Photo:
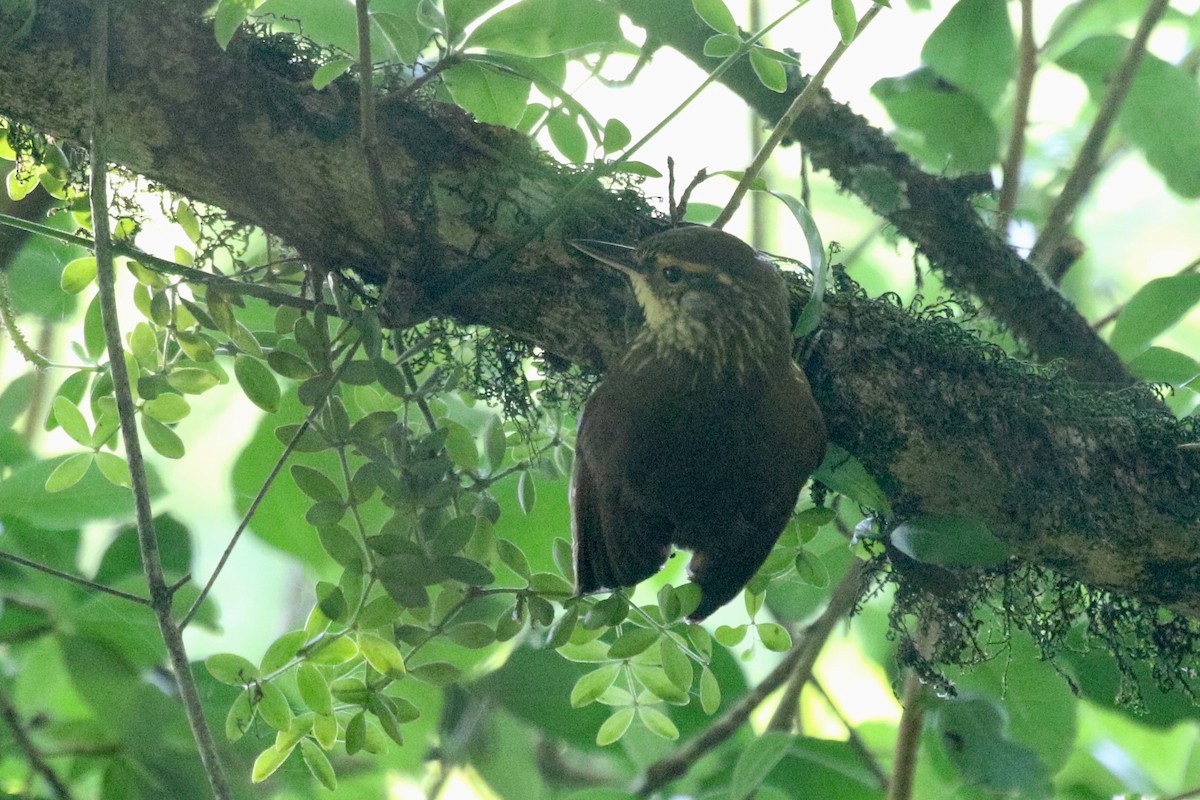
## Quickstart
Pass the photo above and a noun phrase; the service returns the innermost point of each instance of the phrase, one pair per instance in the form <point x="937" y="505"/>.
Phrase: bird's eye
<point x="672" y="274"/>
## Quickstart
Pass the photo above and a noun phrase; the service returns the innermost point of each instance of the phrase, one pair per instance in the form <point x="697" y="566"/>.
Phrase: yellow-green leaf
<point x="77" y="274"/>
<point x="614" y="727"/>
<point x="114" y="468"/>
<point x="70" y="418"/>
<point x="382" y="655"/>
<point x="314" y="689"/>
<point x="318" y="764"/>
<point x="658" y="723"/>
<point x="268" y="761"/>
<point x="69" y="472"/>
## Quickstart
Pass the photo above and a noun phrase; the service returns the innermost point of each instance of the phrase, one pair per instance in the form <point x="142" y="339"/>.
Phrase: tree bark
<point x="1088" y="482"/>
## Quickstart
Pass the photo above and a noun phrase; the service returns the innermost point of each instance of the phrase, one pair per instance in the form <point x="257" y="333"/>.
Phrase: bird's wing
<point x="618" y="540"/>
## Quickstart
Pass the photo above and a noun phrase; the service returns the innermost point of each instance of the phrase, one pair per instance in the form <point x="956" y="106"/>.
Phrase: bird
<point x="701" y="434"/>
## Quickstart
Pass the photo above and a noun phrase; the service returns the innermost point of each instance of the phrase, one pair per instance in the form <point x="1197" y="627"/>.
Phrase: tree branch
<point x="1093" y="484"/>
<point x="12" y="718"/>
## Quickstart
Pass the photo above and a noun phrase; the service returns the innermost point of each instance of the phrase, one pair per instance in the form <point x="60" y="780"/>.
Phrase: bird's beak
<point x="618" y="256"/>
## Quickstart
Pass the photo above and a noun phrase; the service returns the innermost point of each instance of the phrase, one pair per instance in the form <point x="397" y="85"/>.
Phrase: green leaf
<point x="337" y="651"/>
<point x="472" y="635"/>
<point x="318" y="764"/>
<point x="114" y="468"/>
<point x="143" y="343"/>
<point x="721" y="45"/>
<point x="273" y="707"/>
<point x="69" y="472"/>
<point x="229" y="17"/>
<point x="314" y="689"/>
<point x="192" y="380"/>
<point x="1156" y="307"/>
<point x="539" y="28"/>
<point x="231" y="669"/>
<point x="948" y="541"/>
<point x="568" y="136"/>
<point x="756" y="762"/>
<point x="437" y="673"/>
<point x="945" y="127"/>
<point x="1162" y="365"/>
<point x="383" y="656"/>
<point x="23" y="496"/>
<point x="289" y="365"/>
<point x="655" y="681"/>
<point x="676" y="664"/>
<point x="257" y="382"/>
<point x="526" y="492"/>
<point x="616" y="136"/>
<point x="268" y="761"/>
<point x="716" y="15"/>
<point x="328" y="73"/>
<point x="973" y="732"/>
<point x="316" y="484"/>
<point x="78" y="274"/>
<point x="845" y="474"/>
<point x="513" y="558"/>
<point x="845" y="19"/>
<point x="1171" y="141"/>
<point x="167" y="408"/>
<point x="493" y="96"/>
<point x="239" y="717"/>
<point x="811" y="569"/>
<point x="615" y="726"/>
<point x="590" y="686"/>
<point x="710" y="691"/>
<point x="769" y="71"/>
<point x="69" y="417"/>
<point x="164" y="440"/>
<point x="635" y="641"/>
<point x="658" y="723"/>
<point x="773" y="636"/>
<point x="973" y="48"/>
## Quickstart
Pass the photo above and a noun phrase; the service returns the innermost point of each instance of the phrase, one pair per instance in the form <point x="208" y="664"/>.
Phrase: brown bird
<point x="703" y="432"/>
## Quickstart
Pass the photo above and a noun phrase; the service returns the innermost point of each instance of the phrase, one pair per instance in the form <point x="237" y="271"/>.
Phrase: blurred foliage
<point x="416" y="477"/>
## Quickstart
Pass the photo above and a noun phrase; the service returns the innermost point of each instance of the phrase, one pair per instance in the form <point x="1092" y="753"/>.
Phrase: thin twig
<point x="856" y="742"/>
<point x="1086" y="168"/>
<point x="66" y="576"/>
<point x="266" y="486"/>
<point x="908" y="740"/>
<point x="162" y="265"/>
<point x="37" y="761"/>
<point x="1116" y="312"/>
<point x="1027" y="67"/>
<point x="799" y="660"/>
<point x="784" y="126"/>
<point x="160" y="593"/>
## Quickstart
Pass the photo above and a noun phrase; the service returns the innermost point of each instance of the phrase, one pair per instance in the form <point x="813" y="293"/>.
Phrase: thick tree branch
<point x="1090" y="483"/>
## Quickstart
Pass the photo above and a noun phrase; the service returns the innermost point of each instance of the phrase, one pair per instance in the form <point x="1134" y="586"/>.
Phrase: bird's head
<point x="705" y="295"/>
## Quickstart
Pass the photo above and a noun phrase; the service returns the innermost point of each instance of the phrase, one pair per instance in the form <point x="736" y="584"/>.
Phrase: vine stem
<point x="904" y="768"/>
<point x="1027" y="68"/>
<point x="1087" y="163"/>
<point x="37" y="761"/>
<point x="160" y="592"/>
<point x="784" y="126"/>
<point x="799" y="661"/>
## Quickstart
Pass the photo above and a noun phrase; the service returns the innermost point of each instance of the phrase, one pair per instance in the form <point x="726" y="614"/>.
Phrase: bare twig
<point x="162" y="265"/>
<point x="856" y="742"/>
<point x="784" y="126"/>
<point x="160" y="592"/>
<point x="1027" y="67"/>
<point x="266" y="486"/>
<point x="798" y="661"/>
<point x="37" y="761"/>
<point x="1086" y="164"/>
<point x="904" y="767"/>
<point x="66" y="576"/>
<point x="1116" y="312"/>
